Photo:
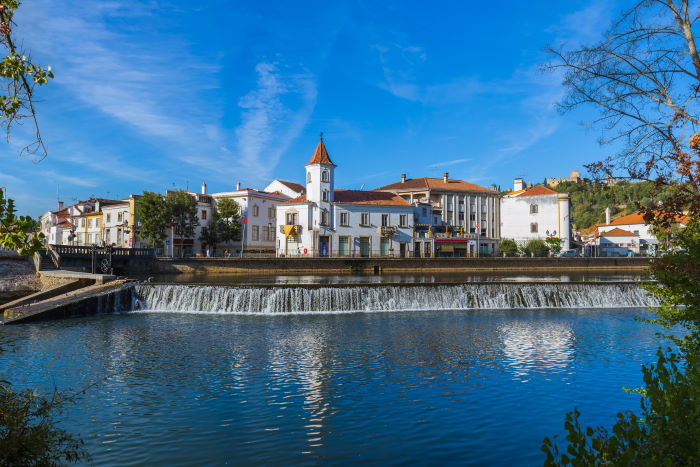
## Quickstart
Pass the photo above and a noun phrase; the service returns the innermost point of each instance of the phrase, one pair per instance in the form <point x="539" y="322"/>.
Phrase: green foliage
<point x="20" y="76"/>
<point x="29" y="434"/>
<point x="228" y="223"/>
<point x="678" y="281"/>
<point x="154" y="215"/>
<point x="536" y="247"/>
<point x="668" y="429"/>
<point x="183" y="212"/>
<point x="209" y="235"/>
<point x="508" y="247"/>
<point x="18" y="232"/>
<point x="666" y="433"/>
<point x="589" y="200"/>
<point x="554" y="244"/>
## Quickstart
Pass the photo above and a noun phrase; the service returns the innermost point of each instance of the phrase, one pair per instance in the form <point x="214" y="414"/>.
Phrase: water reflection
<point x="537" y="347"/>
<point x="447" y="387"/>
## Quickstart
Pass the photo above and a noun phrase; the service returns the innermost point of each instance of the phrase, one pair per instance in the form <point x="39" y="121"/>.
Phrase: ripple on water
<point x="453" y="387"/>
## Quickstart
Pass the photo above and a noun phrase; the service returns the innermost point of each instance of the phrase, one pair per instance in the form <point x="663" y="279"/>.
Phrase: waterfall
<point x="255" y="300"/>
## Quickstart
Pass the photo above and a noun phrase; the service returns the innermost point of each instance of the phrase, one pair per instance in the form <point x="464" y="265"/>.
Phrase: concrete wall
<point x="331" y="265"/>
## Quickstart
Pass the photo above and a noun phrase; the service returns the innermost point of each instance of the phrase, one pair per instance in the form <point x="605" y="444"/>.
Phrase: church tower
<point x="319" y="177"/>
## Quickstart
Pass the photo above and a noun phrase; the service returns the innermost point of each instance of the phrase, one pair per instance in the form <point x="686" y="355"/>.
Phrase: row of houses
<point x="418" y="217"/>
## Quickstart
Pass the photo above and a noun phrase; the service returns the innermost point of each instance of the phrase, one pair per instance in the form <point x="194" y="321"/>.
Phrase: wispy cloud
<point x="274" y="113"/>
<point x="452" y="162"/>
<point x="79" y="181"/>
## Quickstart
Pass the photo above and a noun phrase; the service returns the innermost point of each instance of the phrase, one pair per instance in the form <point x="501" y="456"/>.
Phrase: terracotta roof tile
<point x="294" y="186"/>
<point x="537" y="190"/>
<point x="425" y="183"/>
<point x="618" y="232"/>
<point x="321" y="155"/>
<point x="638" y="218"/>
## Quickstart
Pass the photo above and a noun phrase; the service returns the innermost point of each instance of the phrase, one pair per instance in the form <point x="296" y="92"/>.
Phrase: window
<point x="109" y="217"/>
<point x="120" y="216"/>
<point x="271" y="213"/>
<point x="385" y="220"/>
<point x="324" y="217"/>
<point x="403" y="220"/>
<point x="256" y="210"/>
<point x="425" y="212"/>
<point x="204" y="215"/>
<point x="108" y="235"/>
<point x="256" y="233"/>
<point x="364" y="219"/>
<point x="308" y="177"/>
<point x="533" y="227"/>
<point x="533" y="209"/>
<point x="461" y="216"/>
<point x="345" y="218"/>
<point x="472" y="216"/>
<point x="291" y="218"/>
<point x="324" y="195"/>
<point x="325" y="177"/>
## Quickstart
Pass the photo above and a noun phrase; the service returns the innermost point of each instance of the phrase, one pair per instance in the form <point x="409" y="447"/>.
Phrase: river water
<point x="462" y="387"/>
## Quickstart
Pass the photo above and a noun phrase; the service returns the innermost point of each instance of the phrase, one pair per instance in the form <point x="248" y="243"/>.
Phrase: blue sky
<point x="154" y="94"/>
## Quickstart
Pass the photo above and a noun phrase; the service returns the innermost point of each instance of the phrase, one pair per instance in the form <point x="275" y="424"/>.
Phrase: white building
<point x="289" y="189"/>
<point x="326" y="221"/>
<point x="618" y="242"/>
<point x="452" y="217"/>
<point x="535" y="213"/>
<point x="634" y="223"/>
<point x="115" y="224"/>
<point x="259" y="210"/>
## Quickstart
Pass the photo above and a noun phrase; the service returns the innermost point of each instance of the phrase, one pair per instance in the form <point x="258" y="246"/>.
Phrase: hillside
<point x="589" y="200"/>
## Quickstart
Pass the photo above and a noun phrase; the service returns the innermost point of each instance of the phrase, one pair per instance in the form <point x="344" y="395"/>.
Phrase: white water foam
<point x="275" y="300"/>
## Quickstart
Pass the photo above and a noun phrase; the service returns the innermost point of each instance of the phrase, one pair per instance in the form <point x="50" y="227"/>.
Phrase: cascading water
<point x="255" y="300"/>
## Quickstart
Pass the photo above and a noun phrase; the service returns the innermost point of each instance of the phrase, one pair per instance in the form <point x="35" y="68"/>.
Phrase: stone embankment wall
<point x="17" y="277"/>
<point x="341" y="265"/>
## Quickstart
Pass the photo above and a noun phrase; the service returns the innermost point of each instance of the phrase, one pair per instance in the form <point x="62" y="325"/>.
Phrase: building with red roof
<point x="537" y="212"/>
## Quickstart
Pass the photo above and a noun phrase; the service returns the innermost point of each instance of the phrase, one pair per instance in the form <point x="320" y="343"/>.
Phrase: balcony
<point x="386" y="231"/>
<point x="293" y="230"/>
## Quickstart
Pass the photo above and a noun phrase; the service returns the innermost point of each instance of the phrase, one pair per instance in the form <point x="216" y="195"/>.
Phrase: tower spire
<point x="321" y="154"/>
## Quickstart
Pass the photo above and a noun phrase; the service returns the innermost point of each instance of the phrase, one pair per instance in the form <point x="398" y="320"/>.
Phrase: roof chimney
<point x="445" y="177"/>
<point x="238" y="186"/>
<point x="60" y="205"/>
<point x="607" y="216"/>
<point x="403" y="178"/>
<point x="518" y="184"/>
<point x="204" y="188"/>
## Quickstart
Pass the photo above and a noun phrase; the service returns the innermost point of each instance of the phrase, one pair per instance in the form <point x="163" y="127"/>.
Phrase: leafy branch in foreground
<point x="668" y="430"/>
<point x="29" y="434"/>
<point x="20" y="77"/>
<point x="18" y="232"/>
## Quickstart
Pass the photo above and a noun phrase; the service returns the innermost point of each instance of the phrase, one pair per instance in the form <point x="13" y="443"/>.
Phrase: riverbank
<point x="390" y="265"/>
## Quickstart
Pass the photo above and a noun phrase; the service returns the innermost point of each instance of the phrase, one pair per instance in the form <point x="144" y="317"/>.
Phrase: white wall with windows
<point x="525" y="218"/>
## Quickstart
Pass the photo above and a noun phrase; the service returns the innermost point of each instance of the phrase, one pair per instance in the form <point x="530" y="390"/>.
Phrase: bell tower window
<point x="325" y="177"/>
<point x="324" y="195"/>
<point x="308" y="177"/>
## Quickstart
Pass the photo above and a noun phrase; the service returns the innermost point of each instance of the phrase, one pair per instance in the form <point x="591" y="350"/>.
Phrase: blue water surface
<point x="451" y="388"/>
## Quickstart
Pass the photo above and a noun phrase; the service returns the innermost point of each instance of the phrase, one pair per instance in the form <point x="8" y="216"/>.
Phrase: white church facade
<point x="329" y="222"/>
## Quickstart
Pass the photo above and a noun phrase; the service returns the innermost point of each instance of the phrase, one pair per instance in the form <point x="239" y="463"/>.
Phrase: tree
<point x="18" y="232"/>
<point x="668" y="429"/>
<point x="554" y="244"/>
<point x="644" y="79"/>
<point x="20" y="77"/>
<point x="183" y="213"/>
<point x="508" y="247"/>
<point x="154" y="215"/>
<point x="228" y="220"/>
<point x="535" y="247"/>
<point x="29" y="433"/>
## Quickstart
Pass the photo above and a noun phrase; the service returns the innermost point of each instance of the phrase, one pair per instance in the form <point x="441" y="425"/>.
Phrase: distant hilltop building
<point x="574" y="176"/>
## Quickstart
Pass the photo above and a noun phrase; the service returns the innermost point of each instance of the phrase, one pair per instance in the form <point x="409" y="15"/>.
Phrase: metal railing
<point x="87" y="250"/>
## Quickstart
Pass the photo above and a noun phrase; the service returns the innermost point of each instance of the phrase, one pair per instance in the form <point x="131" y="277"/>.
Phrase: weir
<point x="271" y="300"/>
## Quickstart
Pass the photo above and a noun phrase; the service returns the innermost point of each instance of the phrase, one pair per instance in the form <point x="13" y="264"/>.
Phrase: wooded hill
<point x="589" y="200"/>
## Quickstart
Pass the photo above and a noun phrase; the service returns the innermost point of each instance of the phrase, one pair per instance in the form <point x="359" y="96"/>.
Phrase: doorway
<point x="324" y="245"/>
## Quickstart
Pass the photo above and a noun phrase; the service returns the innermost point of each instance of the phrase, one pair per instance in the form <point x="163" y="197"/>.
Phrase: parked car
<point x="568" y="254"/>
